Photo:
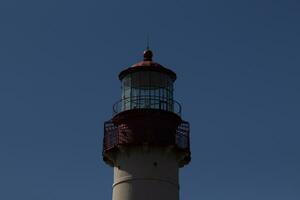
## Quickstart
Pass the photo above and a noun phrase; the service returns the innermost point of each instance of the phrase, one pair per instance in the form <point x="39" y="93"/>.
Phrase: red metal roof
<point x="147" y="65"/>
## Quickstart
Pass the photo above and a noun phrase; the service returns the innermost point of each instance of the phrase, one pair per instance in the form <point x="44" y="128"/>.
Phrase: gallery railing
<point x="121" y="135"/>
<point x="147" y="102"/>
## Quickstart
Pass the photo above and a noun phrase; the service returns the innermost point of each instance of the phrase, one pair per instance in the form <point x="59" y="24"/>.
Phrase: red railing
<point x="183" y="135"/>
<point x="116" y="135"/>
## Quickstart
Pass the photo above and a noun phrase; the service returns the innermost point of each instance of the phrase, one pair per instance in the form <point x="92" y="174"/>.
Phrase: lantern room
<point x="147" y="85"/>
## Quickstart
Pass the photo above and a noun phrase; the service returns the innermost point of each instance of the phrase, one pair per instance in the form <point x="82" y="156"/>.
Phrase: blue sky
<point x="238" y="81"/>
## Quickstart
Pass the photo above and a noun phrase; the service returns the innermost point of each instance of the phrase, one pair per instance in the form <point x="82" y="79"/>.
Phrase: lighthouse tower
<point x="146" y="141"/>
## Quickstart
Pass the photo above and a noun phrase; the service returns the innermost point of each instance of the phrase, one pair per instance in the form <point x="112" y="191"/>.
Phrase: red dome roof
<point x="147" y="65"/>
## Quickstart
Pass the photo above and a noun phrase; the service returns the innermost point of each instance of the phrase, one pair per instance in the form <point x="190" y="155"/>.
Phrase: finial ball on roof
<point x="148" y="55"/>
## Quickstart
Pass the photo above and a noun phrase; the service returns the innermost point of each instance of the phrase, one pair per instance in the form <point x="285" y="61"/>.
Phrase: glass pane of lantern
<point x="147" y="89"/>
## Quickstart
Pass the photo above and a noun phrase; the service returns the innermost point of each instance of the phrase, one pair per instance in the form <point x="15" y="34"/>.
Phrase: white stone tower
<point x="146" y="141"/>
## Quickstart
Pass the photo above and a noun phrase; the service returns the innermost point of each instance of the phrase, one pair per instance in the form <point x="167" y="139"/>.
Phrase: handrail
<point x="147" y="102"/>
<point x="114" y="135"/>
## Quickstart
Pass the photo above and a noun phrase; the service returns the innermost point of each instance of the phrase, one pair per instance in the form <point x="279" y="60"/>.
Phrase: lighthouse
<point x="146" y="141"/>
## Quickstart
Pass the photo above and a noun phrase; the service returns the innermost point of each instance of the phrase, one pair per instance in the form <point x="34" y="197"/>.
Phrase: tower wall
<point x="145" y="173"/>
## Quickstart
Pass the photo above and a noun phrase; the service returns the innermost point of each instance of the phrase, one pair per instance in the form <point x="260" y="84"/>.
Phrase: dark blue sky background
<point x="238" y="68"/>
